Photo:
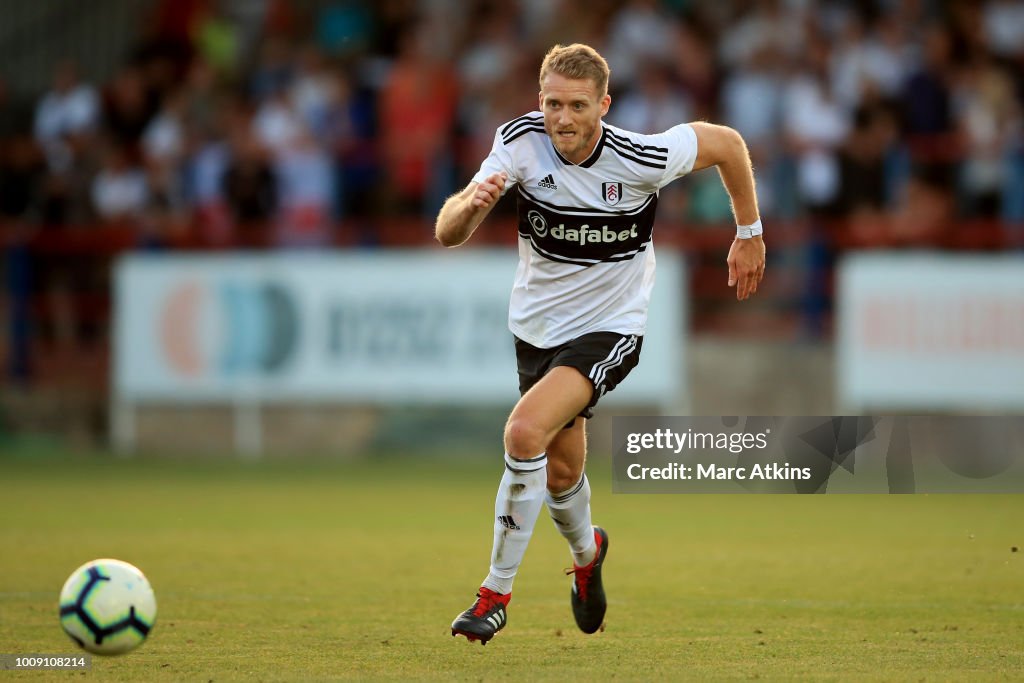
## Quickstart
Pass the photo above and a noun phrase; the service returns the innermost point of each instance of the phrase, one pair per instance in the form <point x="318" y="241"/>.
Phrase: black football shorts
<point x="605" y="358"/>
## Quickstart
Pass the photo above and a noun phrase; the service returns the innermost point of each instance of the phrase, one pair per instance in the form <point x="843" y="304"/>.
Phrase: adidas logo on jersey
<point x="548" y="182"/>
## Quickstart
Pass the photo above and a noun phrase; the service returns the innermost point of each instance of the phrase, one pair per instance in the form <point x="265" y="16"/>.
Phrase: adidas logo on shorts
<point x="548" y="182"/>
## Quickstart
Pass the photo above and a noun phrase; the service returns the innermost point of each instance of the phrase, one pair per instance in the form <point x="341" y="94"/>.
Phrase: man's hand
<point x="489" y="191"/>
<point x="463" y="212"/>
<point x="746" y="265"/>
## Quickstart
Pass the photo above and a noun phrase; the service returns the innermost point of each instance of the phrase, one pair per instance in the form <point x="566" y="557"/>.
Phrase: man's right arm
<point x="465" y="211"/>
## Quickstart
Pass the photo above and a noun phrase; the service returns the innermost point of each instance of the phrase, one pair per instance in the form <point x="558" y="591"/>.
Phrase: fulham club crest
<point x="612" y="192"/>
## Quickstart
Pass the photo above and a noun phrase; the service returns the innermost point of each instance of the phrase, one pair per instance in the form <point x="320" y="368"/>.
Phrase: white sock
<point x="516" y="507"/>
<point x="570" y="511"/>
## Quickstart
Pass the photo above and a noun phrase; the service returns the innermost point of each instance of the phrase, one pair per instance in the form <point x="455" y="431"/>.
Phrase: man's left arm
<point x="723" y="147"/>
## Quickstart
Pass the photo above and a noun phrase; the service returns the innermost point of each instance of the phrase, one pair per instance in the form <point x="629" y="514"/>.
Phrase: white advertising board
<point x="930" y="331"/>
<point x="388" y="326"/>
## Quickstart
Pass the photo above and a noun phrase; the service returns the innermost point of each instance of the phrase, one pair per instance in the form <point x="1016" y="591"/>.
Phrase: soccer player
<point x="586" y="194"/>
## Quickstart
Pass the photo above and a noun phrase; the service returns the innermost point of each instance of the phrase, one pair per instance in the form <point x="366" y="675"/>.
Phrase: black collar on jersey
<point x="594" y="156"/>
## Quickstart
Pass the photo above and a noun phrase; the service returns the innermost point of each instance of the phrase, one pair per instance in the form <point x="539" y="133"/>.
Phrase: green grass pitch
<point x="315" y="570"/>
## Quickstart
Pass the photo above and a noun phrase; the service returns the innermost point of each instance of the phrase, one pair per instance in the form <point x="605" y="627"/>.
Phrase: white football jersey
<point x="586" y="261"/>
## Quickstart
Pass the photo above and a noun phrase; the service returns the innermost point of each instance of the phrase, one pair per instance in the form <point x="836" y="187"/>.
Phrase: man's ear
<point x="540" y="101"/>
<point x="606" y="102"/>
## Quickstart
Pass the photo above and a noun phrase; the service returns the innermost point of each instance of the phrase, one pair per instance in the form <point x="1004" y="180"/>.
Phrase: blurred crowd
<point x="268" y="122"/>
<point x="301" y="123"/>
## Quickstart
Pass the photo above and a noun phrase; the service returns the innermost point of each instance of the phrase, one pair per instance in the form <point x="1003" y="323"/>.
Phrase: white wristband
<point x="745" y="232"/>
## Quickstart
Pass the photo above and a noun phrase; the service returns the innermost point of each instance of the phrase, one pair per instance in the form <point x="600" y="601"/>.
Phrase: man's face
<point x="572" y="114"/>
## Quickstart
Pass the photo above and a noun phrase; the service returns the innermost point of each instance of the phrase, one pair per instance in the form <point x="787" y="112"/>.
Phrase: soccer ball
<point x="107" y="607"/>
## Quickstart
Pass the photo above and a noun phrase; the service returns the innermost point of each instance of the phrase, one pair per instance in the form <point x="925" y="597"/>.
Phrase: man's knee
<point x="524" y="439"/>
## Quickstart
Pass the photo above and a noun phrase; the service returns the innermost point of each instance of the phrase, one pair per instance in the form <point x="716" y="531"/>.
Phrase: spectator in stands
<point x="639" y="33"/>
<point x="66" y="117"/>
<point x="120" y="191"/>
<point x="863" y="161"/>
<point x="417" y="114"/>
<point x="22" y="165"/>
<point x="888" y="55"/>
<point x="694" y="61"/>
<point x="815" y="125"/>
<point x="22" y="169"/>
<point x="872" y="62"/>
<point x="305" y="177"/>
<point x="771" y="25"/>
<point x="204" y="101"/>
<point x="989" y="119"/>
<point x="164" y="148"/>
<point x="751" y="102"/>
<point x="316" y="91"/>
<point x="489" y="59"/>
<point x="351" y="135"/>
<point x="208" y="117"/>
<point x="66" y="121"/>
<point x="273" y="71"/>
<point x="164" y="139"/>
<point x="927" y="110"/>
<point x="499" y="74"/>
<point x="277" y="124"/>
<point x="250" y="188"/>
<point x="863" y="156"/>
<point x="655" y="104"/>
<point x="128" y="107"/>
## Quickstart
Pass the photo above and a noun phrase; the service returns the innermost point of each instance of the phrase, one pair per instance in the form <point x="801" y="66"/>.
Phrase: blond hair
<point x="576" y="61"/>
